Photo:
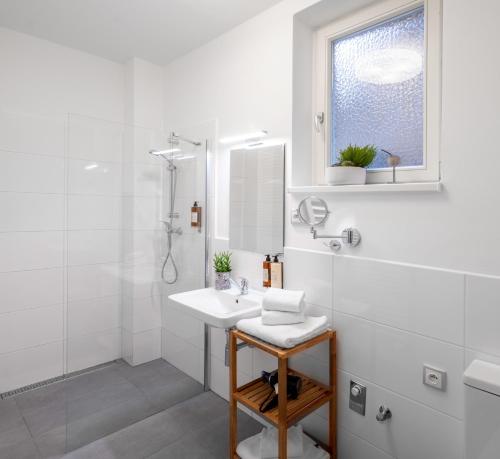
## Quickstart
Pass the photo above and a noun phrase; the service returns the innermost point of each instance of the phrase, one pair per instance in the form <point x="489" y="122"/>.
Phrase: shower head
<point x="164" y="152"/>
<point x="171" y="166"/>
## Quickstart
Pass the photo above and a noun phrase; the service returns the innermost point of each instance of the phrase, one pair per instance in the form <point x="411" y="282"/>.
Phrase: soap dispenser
<point x="196" y="216"/>
<point x="266" y="266"/>
<point x="276" y="273"/>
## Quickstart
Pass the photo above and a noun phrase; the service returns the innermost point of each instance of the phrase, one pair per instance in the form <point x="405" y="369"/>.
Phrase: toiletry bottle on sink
<point x="276" y="273"/>
<point x="266" y="266"/>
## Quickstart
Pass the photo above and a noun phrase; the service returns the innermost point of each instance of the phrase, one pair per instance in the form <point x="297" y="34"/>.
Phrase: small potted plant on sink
<point x="351" y="166"/>
<point x="222" y="267"/>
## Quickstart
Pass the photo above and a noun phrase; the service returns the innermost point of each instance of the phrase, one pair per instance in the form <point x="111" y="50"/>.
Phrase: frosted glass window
<point x="378" y="89"/>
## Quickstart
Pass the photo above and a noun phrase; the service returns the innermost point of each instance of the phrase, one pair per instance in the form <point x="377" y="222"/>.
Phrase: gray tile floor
<point x="152" y="410"/>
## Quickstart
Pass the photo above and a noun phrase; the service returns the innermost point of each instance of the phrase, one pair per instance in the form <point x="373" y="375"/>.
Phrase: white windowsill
<point x="369" y="188"/>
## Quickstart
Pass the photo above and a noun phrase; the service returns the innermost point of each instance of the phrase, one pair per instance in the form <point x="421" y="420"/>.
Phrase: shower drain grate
<point x="47" y="382"/>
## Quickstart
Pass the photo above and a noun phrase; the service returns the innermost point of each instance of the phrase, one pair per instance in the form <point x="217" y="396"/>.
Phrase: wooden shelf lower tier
<point x="313" y="395"/>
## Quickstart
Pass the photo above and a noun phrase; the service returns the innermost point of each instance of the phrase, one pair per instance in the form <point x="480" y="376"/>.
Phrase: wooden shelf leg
<point x="233" y="405"/>
<point x="333" y="400"/>
<point x="282" y="408"/>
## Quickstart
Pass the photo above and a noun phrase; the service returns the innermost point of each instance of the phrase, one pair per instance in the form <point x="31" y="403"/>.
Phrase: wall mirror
<point x="313" y="211"/>
<point x="257" y="189"/>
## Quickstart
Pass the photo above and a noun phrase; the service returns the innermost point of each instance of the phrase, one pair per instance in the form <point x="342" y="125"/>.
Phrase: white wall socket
<point x="435" y="378"/>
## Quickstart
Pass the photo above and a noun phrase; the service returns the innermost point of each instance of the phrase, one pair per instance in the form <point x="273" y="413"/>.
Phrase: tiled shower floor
<point x="152" y="410"/>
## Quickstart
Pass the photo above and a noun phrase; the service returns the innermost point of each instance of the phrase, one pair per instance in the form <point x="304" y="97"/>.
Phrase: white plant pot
<point x="348" y="175"/>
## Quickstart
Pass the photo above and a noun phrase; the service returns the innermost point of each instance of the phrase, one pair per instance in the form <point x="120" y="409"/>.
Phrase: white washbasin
<point x="219" y="308"/>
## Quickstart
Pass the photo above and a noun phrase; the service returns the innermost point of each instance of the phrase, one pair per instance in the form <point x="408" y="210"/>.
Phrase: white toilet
<point x="482" y="410"/>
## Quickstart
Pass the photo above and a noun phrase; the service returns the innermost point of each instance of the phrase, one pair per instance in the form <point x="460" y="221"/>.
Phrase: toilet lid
<point x="484" y="376"/>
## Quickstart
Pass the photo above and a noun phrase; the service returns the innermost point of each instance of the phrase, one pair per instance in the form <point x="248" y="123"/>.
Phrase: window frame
<point x="322" y="84"/>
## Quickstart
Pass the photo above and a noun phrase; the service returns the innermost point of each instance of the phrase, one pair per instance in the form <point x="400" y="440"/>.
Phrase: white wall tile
<point x="312" y="272"/>
<point x="94" y="281"/>
<point x="144" y="180"/>
<point x="353" y="447"/>
<point x="94" y="212"/>
<point x="394" y="359"/>
<point x="147" y="346"/>
<point x="31" y="211"/>
<point x="483" y="314"/>
<point x="31" y="133"/>
<point x="95" y="315"/>
<point x="31" y="173"/>
<point x="94" y="246"/>
<point x="144" y="246"/>
<point x="30" y="289"/>
<point x="183" y="325"/>
<point x="422" y="300"/>
<point x="86" y="351"/>
<point x="183" y="355"/>
<point x="146" y="313"/>
<point x="142" y="213"/>
<point x="471" y="355"/>
<point x="31" y="250"/>
<point x="31" y="327"/>
<point x="219" y="378"/>
<point x="218" y="346"/>
<point x="95" y="139"/>
<point x="18" y="369"/>
<point x="94" y="177"/>
<point x="414" y="432"/>
<point x="142" y="280"/>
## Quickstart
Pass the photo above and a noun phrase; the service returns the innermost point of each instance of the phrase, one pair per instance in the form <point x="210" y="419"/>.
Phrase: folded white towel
<point x="269" y="443"/>
<point x="277" y="299"/>
<point x="250" y="449"/>
<point x="282" y="318"/>
<point x="284" y="335"/>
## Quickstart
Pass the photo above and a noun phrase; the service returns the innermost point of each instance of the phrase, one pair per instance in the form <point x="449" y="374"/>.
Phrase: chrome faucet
<point x="242" y="285"/>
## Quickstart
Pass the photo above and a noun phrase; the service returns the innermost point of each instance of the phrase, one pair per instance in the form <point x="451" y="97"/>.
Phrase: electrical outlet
<point x="434" y="378"/>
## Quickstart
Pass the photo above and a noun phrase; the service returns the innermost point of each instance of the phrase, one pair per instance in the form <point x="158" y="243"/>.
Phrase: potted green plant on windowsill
<point x="222" y="267"/>
<point x="350" y="168"/>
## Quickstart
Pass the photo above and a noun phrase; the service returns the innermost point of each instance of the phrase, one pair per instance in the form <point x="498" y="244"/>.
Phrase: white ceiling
<point x="155" y="30"/>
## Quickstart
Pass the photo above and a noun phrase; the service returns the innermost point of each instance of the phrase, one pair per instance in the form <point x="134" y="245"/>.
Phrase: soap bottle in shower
<point x="196" y="216"/>
<point x="266" y="266"/>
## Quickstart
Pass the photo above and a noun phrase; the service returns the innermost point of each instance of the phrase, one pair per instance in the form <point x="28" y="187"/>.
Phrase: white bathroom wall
<point x="143" y="234"/>
<point x="424" y="285"/>
<point x="40" y="262"/>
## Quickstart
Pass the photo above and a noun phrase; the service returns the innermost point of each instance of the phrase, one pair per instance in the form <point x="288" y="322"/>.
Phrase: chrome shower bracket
<point x="349" y="236"/>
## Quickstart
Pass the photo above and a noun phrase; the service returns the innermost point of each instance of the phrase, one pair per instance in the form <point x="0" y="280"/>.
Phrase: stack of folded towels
<point x="283" y="307"/>
<point x="283" y="321"/>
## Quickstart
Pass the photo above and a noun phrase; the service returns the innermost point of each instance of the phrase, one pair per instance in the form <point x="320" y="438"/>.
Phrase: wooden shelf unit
<point x="288" y="412"/>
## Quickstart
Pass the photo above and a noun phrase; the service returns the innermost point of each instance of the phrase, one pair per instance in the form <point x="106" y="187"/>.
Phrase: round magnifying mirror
<point x="313" y="211"/>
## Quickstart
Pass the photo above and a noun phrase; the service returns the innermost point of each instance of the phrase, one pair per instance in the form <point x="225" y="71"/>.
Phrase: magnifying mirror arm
<point x="315" y="235"/>
<point x="349" y="236"/>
